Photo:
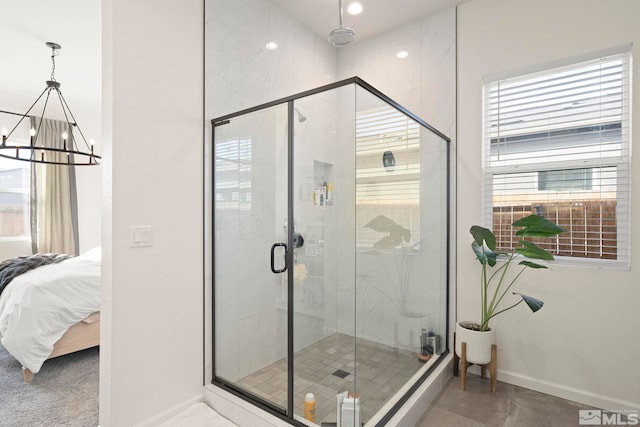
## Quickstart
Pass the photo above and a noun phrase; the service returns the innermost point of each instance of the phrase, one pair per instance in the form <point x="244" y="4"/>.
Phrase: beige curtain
<point x="54" y="207"/>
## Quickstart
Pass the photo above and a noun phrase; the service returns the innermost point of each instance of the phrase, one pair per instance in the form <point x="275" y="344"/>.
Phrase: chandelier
<point x="75" y="155"/>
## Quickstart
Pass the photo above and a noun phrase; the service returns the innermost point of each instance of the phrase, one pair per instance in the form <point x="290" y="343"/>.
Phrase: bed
<point x="51" y="311"/>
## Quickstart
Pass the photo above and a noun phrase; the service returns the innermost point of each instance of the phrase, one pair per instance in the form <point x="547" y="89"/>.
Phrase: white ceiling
<point x="26" y="25"/>
<point x="377" y="17"/>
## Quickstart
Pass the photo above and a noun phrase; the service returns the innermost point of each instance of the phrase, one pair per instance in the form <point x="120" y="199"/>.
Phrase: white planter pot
<point x="478" y="344"/>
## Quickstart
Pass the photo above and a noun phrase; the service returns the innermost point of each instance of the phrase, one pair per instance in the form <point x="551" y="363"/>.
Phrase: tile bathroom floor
<point x="381" y="371"/>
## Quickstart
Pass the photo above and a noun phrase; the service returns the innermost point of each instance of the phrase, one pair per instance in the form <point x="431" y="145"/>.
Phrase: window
<point x="233" y="179"/>
<point x="14" y="199"/>
<point x="233" y="185"/>
<point x="557" y="145"/>
<point x="15" y="179"/>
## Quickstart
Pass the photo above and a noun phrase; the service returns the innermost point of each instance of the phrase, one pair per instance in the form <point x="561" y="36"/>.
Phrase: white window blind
<point x="233" y="174"/>
<point x="557" y="144"/>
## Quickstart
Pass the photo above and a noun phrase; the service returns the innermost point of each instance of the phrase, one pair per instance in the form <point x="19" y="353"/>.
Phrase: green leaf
<point x="381" y="224"/>
<point x="484" y="255"/>
<point x="483" y="236"/>
<point x="533" y="303"/>
<point x="536" y="226"/>
<point x="387" y="242"/>
<point x="397" y="233"/>
<point x="531" y="250"/>
<point x="532" y="264"/>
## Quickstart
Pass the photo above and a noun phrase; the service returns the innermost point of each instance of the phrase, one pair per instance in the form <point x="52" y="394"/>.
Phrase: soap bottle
<point x="310" y="407"/>
<point x="424" y="342"/>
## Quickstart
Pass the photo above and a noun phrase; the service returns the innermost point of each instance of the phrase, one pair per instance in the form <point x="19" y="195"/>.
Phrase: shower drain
<point x="340" y="373"/>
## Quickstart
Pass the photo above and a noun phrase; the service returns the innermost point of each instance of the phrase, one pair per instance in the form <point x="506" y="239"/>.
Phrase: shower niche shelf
<point x="322" y="183"/>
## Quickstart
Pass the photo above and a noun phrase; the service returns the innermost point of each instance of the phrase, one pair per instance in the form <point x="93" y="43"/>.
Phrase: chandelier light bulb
<point x="32" y="132"/>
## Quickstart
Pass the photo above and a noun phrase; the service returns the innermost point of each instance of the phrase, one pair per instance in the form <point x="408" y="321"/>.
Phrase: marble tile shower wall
<point x="425" y="81"/>
<point x="241" y="72"/>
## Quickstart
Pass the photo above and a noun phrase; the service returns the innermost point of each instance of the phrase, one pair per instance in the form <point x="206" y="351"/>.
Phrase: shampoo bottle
<point x="310" y="407"/>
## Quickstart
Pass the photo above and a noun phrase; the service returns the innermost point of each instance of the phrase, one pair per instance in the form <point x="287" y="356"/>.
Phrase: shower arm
<point x="340" y="12"/>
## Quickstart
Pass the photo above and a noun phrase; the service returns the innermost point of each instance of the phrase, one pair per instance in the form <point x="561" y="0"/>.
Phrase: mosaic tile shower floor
<point x="380" y="371"/>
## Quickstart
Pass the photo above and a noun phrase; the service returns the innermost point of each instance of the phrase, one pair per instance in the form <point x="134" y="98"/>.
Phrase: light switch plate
<point x="139" y="236"/>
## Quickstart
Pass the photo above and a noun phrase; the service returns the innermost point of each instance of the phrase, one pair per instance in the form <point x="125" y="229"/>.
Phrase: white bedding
<point x="38" y="307"/>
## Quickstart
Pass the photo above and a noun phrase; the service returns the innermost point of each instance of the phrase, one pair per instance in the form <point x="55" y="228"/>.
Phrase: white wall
<point x="583" y="344"/>
<point x="88" y="179"/>
<point x="152" y="328"/>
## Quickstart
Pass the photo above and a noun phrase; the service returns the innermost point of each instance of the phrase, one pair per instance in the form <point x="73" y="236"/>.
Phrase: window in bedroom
<point x="14" y="199"/>
<point x="557" y="144"/>
<point x="15" y="178"/>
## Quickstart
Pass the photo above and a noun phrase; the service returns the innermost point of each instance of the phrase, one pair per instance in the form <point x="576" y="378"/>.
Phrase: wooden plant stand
<point x="492" y="365"/>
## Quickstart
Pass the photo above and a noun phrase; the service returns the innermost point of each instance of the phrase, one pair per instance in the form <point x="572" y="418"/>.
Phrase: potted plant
<point x="496" y="284"/>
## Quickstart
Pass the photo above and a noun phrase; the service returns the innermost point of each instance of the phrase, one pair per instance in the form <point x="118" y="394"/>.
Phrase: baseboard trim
<point x="564" y="392"/>
<point x="171" y="412"/>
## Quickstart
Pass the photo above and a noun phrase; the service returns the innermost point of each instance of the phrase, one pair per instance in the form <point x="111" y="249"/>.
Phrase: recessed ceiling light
<point x="354" y="8"/>
<point x="402" y="54"/>
<point x="271" y="46"/>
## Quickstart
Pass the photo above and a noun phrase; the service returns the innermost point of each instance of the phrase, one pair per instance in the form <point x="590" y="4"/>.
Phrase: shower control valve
<point x="298" y="240"/>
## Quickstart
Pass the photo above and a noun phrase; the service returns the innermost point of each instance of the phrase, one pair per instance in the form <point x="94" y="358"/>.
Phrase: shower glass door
<point x="250" y="211"/>
<point x="330" y="246"/>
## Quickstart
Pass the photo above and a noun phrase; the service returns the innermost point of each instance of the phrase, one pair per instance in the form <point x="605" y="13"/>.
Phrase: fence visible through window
<point x="591" y="227"/>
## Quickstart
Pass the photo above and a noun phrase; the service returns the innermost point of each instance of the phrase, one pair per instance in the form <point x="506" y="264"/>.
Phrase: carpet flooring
<point x="63" y="393"/>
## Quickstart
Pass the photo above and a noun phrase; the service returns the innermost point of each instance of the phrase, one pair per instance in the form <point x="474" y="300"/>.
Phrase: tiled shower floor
<point x="381" y="371"/>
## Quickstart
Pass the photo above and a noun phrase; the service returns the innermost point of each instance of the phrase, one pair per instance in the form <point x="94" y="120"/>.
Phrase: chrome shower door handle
<point x="273" y="250"/>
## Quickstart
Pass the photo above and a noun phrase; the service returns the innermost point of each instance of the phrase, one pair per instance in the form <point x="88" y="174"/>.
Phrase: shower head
<point x="342" y="35"/>
<point x="301" y="117"/>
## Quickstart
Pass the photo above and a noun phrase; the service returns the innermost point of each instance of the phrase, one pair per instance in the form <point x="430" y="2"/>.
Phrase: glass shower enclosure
<point x="330" y="254"/>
